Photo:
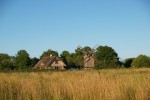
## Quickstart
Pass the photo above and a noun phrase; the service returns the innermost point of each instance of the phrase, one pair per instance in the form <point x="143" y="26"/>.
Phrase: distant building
<point x="51" y="62"/>
<point x="89" y="61"/>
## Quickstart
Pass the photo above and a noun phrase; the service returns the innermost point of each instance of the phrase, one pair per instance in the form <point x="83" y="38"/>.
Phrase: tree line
<point x="105" y="58"/>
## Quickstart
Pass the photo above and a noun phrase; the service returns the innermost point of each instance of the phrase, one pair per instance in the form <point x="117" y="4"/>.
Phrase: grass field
<point x="115" y="84"/>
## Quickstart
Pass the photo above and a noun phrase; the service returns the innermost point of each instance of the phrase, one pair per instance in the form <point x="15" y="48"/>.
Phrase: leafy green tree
<point x="13" y="61"/>
<point x="65" y="55"/>
<point x="87" y="50"/>
<point x="68" y="59"/>
<point x="128" y="62"/>
<point x="106" y="57"/>
<point x="22" y="60"/>
<point x="78" y="58"/>
<point x="4" y="56"/>
<point x="48" y="53"/>
<point x="6" y="62"/>
<point x="75" y="60"/>
<point x="141" y="61"/>
<point x="3" y="59"/>
<point x="33" y="61"/>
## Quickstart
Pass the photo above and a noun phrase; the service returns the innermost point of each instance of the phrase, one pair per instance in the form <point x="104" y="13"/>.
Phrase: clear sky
<point x="39" y="25"/>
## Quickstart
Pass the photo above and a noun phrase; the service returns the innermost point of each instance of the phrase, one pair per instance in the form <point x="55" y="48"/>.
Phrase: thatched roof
<point x="48" y="61"/>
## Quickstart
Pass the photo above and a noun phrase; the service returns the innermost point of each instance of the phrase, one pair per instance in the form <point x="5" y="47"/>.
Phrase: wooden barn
<point x="88" y="61"/>
<point x="51" y="62"/>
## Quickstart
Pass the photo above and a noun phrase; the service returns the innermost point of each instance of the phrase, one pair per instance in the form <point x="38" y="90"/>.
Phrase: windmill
<point x="88" y="54"/>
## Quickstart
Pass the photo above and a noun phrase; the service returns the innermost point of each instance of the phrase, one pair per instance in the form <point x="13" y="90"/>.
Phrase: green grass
<point x="113" y="84"/>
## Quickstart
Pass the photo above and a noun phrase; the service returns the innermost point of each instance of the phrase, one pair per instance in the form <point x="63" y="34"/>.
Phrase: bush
<point x="128" y="62"/>
<point x="141" y="61"/>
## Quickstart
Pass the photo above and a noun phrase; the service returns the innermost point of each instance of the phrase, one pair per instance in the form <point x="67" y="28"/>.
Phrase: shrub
<point x="141" y="61"/>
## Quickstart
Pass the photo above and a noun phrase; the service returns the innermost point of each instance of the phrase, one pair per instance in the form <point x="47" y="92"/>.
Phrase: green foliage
<point x="106" y="57"/>
<point x="141" y="61"/>
<point x="86" y="50"/>
<point x="75" y="60"/>
<point x="67" y="58"/>
<point x="33" y="61"/>
<point x="78" y="58"/>
<point x="72" y="60"/>
<point x="128" y="62"/>
<point x="79" y="53"/>
<point x="4" y="56"/>
<point x="6" y="63"/>
<point x="22" y="60"/>
<point x="48" y="53"/>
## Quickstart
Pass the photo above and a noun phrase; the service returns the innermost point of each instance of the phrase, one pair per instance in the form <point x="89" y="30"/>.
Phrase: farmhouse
<point x="51" y="62"/>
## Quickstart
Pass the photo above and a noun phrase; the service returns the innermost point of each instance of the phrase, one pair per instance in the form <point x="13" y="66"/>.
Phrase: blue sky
<point x="39" y="25"/>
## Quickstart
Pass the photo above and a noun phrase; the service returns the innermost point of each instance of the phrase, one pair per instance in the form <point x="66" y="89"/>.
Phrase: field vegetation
<point x="106" y="84"/>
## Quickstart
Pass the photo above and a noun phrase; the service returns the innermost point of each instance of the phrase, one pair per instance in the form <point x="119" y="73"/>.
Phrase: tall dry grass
<point x="121" y="84"/>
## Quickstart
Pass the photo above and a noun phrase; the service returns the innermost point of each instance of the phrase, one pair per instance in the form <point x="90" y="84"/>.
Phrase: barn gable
<point x="52" y="62"/>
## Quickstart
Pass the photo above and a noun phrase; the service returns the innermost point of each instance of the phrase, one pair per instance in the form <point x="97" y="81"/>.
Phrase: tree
<point x="141" y="61"/>
<point x="4" y="56"/>
<point x="6" y="62"/>
<point x="78" y="58"/>
<point x="3" y="59"/>
<point x="128" y="62"/>
<point x="87" y="50"/>
<point x="22" y="59"/>
<point x="106" y="57"/>
<point x="33" y="61"/>
<point x="75" y="60"/>
<point x="68" y="59"/>
<point x="48" y="53"/>
<point x="72" y="60"/>
<point x="64" y="56"/>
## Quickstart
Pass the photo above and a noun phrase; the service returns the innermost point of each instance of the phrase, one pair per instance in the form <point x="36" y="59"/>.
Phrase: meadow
<point x="111" y="84"/>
